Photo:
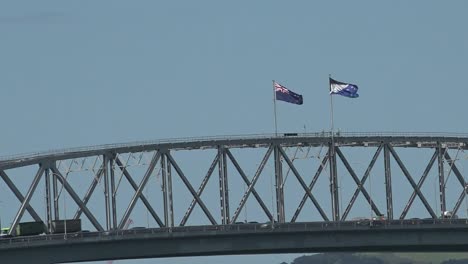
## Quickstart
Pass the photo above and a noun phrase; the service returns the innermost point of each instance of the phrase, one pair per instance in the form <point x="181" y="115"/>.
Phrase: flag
<point x="344" y="89"/>
<point x="284" y="94"/>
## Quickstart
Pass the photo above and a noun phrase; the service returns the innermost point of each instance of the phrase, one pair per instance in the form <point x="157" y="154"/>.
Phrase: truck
<point x="66" y="226"/>
<point x="30" y="228"/>
<point x="4" y="232"/>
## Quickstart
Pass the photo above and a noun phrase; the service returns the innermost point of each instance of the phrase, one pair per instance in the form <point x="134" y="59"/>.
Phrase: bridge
<point x="303" y="190"/>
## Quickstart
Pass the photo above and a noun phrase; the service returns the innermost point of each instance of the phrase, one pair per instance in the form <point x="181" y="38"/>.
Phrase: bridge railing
<point x="247" y="228"/>
<point x="321" y="134"/>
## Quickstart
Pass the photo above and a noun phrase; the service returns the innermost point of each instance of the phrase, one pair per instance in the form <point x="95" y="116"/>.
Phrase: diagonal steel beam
<point x="252" y="184"/>
<point x="135" y="187"/>
<point x="454" y="168"/>
<point x="27" y="198"/>
<point x="247" y="181"/>
<point x="360" y="183"/>
<point x="140" y="188"/>
<point x="304" y="186"/>
<point x="89" y="192"/>
<point x="410" y="179"/>
<point x="75" y="197"/>
<point x="18" y="195"/>
<point x="420" y="183"/>
<point x="459" y="201"/>
<point x="460" y="178"/>
<point x="192" y="191"/>
<point x="311" y="185"/>
<point x="200" y="190"/>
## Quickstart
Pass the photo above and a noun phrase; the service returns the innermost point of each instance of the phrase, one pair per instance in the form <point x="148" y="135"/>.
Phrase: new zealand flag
<point x="284" y="94"/>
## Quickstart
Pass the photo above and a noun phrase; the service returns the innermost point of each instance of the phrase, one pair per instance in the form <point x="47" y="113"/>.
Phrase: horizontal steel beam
<point x="422" y="140"/>
<point x="236" y="241"/>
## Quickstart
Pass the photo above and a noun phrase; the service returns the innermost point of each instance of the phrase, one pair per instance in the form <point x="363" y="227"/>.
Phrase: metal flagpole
<point x="331" y="107"/>
<point x="274" y="106"/>
<point x="333" y="176"/>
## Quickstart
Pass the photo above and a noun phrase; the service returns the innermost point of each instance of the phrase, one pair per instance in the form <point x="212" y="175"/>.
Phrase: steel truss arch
<point x="109" y="163"/>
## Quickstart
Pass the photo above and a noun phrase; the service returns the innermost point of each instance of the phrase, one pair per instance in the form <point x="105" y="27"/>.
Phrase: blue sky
<point x="77" y="73"/>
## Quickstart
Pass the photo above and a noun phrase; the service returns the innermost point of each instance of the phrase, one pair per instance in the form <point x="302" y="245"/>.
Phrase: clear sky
<point x="77" y="73"/>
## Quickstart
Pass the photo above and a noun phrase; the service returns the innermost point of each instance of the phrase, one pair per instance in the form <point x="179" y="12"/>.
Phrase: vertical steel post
<point x="164" y="188"/>
<point x="388" y="183"/>
<point x="113" y="192"/>
<point x="56" y="196"/>
<point x="334" y="183"/>
<point x="440" y="159"/>
<point x="222" y="186"/>
<point x="169" y="194"/>
<point x="226" y="186"/>
<point x="48" y="200"/>
<point x="106" y="190"/>
<point x="279" y="186"/>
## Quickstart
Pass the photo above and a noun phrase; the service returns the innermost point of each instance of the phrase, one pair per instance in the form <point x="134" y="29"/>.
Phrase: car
<point x="138" y="228"/>
<point x="268" y="224"/>
<point x="415" y="221"/>
<point x="361" y="221"/>
<point x="253" y="222"/>
<point x="239" y="223"/>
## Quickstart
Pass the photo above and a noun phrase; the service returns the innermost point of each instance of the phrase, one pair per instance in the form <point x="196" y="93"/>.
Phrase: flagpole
<point x="334" y="184"/>
<point x="331" y="108"/>
<point x="274" y="107"/>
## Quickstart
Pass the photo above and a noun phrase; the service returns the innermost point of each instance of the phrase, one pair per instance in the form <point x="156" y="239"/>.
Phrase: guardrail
<point x="364" y="224"/>
<point x="233" y="137"/>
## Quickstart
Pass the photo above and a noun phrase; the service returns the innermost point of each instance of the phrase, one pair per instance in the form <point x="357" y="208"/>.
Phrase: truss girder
<point x="135" y="187"/>
<point x="200" y="190"/>
<point x="454" y="168"/>
<point x="304" y="186"/>
<point x="19" y="196"/>
<point x="63" y="181"/>
<point x="420" y="183"/>
<point x="247" y="181"/>
<point x="252" y="184"/>
<point x="410" y="179"/>
<point x="359" y="183"/>
<point x="388" y="182"/>
<point x="103" y="171"/>
<point x="440" y="162"/>
<point x="460" y="178"/>
<point x="190" y="187"/>
<point x="26" y="200"/>
<point x="139" y="190"/>
<point x="89" y="193"/>
<point x="310" y="187"/>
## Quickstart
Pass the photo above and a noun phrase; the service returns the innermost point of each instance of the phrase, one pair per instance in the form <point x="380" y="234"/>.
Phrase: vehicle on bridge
<point x="4" y="232"/>
<point x="448" y="215"/>
<point x="66" y="226"/>
<point x="30" y="228"/>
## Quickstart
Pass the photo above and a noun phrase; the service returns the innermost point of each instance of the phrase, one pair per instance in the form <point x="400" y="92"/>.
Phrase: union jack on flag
<point x="284" y="94"/>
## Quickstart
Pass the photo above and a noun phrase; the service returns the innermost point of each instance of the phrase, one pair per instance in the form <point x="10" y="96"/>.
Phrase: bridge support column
<point x="113" y="191"/>
<point x="388" y="182"/>
<point x="56" y="196"/>
<point x="167" y="191"/>
<point x="105" y="161"/>
<point x="48" y="200"/>
<point x="170" y="201"/>
<point x="279" y="185"/>
<point x="223" y="186"/>
<point x="335" y="199"/>
<point x="440" y="161"/>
